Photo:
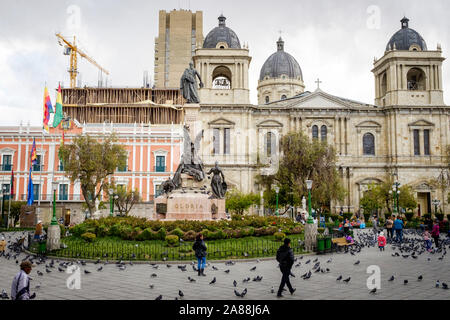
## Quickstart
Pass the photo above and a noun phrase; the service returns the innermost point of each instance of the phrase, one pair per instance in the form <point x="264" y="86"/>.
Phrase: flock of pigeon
<point x="412" y="247"/>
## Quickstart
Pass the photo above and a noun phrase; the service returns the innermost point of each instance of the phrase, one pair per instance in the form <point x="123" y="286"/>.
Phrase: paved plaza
<point x="134" y="282"/>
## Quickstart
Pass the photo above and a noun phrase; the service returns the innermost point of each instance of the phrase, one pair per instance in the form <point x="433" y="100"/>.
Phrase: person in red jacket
<point x="381" y="241"/>
<point x="435" y="233"/>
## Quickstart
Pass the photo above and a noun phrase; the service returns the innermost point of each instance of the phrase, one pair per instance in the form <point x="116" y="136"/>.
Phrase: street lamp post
<point x="111" y="202"/>
<point x="55" y="187"/>
<point x="277" y="190"/>
<point x="3" y="204"/>
<point x="436" y="202"/>
<point x="309" y="186"/>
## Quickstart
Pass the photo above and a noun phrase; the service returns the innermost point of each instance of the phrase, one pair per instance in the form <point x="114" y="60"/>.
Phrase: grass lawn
<point x="157" y="250"/>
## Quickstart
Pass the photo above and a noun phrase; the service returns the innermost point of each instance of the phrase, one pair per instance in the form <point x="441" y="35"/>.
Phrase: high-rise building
<point x="180" y="32"/>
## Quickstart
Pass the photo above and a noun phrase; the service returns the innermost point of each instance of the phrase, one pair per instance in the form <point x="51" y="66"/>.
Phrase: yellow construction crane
<point x="72" y="50"/>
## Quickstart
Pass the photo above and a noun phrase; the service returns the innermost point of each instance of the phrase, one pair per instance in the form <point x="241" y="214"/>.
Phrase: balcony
<point x="6" y="167"/>
<point x="59" y="197"/>
<point x="159" y="169"/>
<point x="38" y="167"/>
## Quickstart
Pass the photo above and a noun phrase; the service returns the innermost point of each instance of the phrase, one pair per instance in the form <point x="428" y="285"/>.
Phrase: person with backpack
<point x="285" y="256"/>
<point x="20" y="288"/>
<point x="398" y="227"/>
<point x="200" y="253"/>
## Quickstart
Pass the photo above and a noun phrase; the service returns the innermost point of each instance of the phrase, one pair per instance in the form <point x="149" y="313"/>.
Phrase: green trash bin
<point x="42" y="247"/>
<point x="328" y="244"/>
<point x="320" y="245"/>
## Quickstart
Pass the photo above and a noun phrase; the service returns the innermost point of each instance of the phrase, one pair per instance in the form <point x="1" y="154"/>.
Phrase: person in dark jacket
<point x="200" y="253"/>
<point x="285" y="256"/>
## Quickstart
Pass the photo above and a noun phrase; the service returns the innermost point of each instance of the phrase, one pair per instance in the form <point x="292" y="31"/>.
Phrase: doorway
<point x="423" y="199"/>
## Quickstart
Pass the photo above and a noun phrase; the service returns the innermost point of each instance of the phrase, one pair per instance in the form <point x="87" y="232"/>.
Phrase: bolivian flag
<point x="58" y="109"/>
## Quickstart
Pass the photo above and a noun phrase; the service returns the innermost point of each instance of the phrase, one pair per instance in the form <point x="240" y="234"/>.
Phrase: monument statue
<point x="188" y="84"/>
<point x="190" y="161"/>
<point x="218" y="184"/>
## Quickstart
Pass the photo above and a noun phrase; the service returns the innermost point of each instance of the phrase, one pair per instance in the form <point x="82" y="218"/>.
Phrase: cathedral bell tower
<point x="408" y="73"/>
<point x="223" y="66"/>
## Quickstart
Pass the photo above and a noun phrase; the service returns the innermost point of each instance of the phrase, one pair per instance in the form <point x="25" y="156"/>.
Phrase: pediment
<point x="320" y="100"/>
<point x="369" y="181"/>
<point x="421" y="123"/>
<point x="7" y="150"/>
<point x="368" y="124"/>
<point x="269" y="124"/>
<point x="423" y="187"/>
<point x="221" y="122"/>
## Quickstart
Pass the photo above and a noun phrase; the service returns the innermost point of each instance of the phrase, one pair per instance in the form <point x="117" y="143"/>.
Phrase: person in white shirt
<point x="20" y="288"/>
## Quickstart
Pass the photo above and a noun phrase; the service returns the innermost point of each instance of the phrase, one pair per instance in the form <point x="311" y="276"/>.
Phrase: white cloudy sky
<point x="333" y="40"/>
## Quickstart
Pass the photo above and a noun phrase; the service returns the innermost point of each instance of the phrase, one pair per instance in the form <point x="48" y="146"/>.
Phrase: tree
<point x="126" y="199"/>
<point x="16" y="207"/>
<point x="91" y="162"/>
<point x="406" y="198"/>
<point x="371" y="199"/>
<point x="303" y="160"/>
<point x="238" y="202"/>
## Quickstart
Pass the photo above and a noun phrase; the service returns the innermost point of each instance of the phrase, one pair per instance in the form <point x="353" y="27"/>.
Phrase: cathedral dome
<point x="406" y="39"/>
<point x="222" y="35"/>
<point x="281" y="63"/>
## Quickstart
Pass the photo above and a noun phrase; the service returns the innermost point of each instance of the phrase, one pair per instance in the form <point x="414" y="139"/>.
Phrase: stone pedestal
<point x="53" y="238"/>
<point x="310" y="237"/>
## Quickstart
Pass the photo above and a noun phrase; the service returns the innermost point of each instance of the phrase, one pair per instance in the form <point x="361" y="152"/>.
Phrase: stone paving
<point x="134" y="282"/>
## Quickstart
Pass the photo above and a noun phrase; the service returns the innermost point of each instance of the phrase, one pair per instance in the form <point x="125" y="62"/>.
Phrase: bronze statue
<point x="188" y="84"/>
<point x="190" y="161"/>
<point x="218" y="184"/>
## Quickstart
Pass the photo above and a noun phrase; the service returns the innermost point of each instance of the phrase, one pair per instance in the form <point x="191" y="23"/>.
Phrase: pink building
<point x="154" y="152"/>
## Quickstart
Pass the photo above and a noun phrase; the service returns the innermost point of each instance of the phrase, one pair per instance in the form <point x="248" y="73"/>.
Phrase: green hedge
<point x="132" y="228"/>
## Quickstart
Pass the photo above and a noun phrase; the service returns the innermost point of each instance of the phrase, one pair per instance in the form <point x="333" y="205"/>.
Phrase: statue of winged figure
<point x="190" y="160"/>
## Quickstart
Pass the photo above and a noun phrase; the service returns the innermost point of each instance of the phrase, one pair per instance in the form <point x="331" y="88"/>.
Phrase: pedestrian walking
<point x="375" y="226"/>
<point x="2" y="245"/>
<point x="389" y="225"/>
<point x="398" y="227"/>
<point x="427" y="239"/>
<point x="38" y="231"/>
<point x="20" y="288"/>
<point x="200" y="253"/>
<point x="435" y="233"/>
<point x="381" y="241"/>
<point x="285" y="256"/>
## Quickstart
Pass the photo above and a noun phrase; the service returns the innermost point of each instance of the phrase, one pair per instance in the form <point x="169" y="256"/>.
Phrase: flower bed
<point x="140" y="229"/>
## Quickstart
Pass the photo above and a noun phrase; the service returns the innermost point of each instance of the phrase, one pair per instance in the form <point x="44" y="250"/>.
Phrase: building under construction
<point x="123" y="105"/>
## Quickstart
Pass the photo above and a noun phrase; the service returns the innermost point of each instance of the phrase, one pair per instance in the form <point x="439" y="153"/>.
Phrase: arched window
<point x="222" y="78"/>
<point x="283" y="97"/>
<point x="416" y="79"/>
<point x="369" y="144"/>
<point x="383" y="85"/>
<point x="269" y="137"/>
<point x="315" y="132"/>
<point x="323" y="133"/>
<point x="267" y="99"/>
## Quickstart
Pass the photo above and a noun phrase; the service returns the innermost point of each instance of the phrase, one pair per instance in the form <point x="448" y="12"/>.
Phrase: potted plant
<point x="320" y="240"/>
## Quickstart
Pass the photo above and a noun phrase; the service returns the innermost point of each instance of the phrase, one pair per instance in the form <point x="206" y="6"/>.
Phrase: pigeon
<point x="227" y="271"/>
<point x="253" y="269"/>
<point x="180" y="293"/>
<point x="169" y="265"/>
<point x="420" y="278"/>
<point x="86" y="272"/>
<point x="339" y="278"/>
<point x="234" y="283"/>
<point x="60" y="269"/>
<point x="155" y="266"/>
<point x="329" y="261"/>
<point x="307" y="261"/>
<point x="272" y="290"/>
<point x="347" y="280"/>
<point x="315" y="260"/>
<point x="159" y="297"/>
<point x="357" y="262"/>
<point x="153" y="275"/>
<point x="237" y="293"/>
<point x="257" y="278"/>
<point x="391" y="278"/>
<point x="151" y="286"/>
<point x="373" y="291"/>
<point x="191" y="279"/>
<point x="244" y="292"/>
<point x="213" y="280"/>
<point x="215" y="268"/>
<point x="4" y="294"/>
<point x="405" y="282"/>
<point x="100" y="269"/>
<point x="40" y="273"/>
<point x="444" y="286"/>
<point x="122" y="268"/>
<point x="437" y="283"/>
<point x="48" y="270"/>
<point x="246" y="279"/>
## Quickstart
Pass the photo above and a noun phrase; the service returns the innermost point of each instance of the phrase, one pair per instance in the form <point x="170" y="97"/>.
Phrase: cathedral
<point x="404" y="133"/>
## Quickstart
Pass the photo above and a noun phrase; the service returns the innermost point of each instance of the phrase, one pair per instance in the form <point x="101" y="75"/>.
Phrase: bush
<point x="177" y="232"/>
<point x="366" y="217"/>
<point x="172" y="240"/>
<point x="279" y="236"/>
<point x="162" y="234"/>
<point x="147" y="234"/>
<point x="409" y="216"/>
<point x="296" y="230"/>
<point x="88" y="236"/>
<point x="62" y="230"/>
<point x="189" y="235"/>
<point x="347" y="215"/>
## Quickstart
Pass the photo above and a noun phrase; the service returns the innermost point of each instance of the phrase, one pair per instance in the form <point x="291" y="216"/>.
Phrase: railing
<point x="49" y="197"/>
<point x="6" y="167"/>
<point x="159" y="169"/>
<point x="158" y="250"/>
<point x="122" y="169"/>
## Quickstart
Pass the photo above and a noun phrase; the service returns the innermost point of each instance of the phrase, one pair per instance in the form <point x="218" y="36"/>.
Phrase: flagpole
<point x="9" y="209"/>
